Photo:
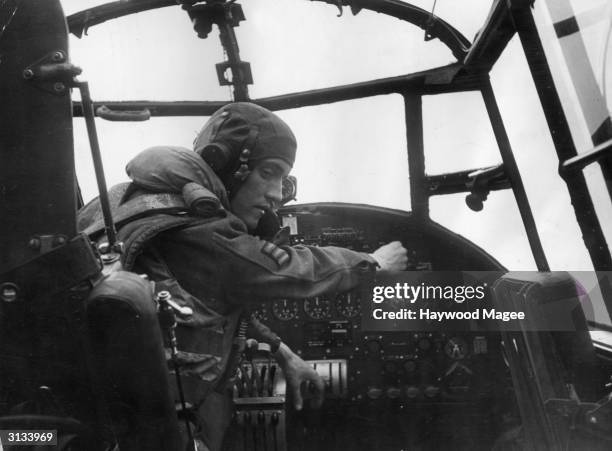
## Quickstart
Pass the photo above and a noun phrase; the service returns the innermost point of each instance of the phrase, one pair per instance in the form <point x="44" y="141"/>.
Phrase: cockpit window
<point x="352" y="151"/>
<point x="291" y="45"/>
<point x="578" y="45"/>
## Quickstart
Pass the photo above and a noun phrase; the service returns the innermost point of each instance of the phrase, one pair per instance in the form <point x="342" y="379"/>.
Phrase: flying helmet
<point x="239" y="135"/>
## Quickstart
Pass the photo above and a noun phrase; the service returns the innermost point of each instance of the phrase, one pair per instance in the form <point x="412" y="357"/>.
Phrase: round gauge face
<point x="285" y="309"/>
<point x="261" y="313"/>
<point x="289" y="189"/>
<point x="317" y="307"/>
<point x="424" y="344"/>
<point x="456" y="348"/>
<point x="348" y="305"/>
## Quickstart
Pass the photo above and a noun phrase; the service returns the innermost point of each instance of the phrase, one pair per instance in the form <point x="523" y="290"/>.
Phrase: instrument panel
<point x="319" y="308"/>
<point x="389" y="390"/>
<point x="409" y="368"/>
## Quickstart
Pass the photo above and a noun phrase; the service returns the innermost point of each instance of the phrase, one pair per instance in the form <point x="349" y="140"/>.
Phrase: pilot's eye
<point x="267" y="172"/>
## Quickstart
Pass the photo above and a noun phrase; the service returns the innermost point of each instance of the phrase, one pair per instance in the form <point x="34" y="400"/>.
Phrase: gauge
<point x="285" y="309"/>
<point x="348" y="305"/>
<point x="456" y="348"/>
<point x="289" y="190"/>
<point x="373" y="346"/>
<point x="410" y="366"/>
<point x="424" y="344"/>
<point x="317" y="307"/>
<point x="261" y="313"/>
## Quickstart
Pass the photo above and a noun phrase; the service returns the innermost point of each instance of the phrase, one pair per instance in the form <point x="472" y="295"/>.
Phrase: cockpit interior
<point x="483" y="146"/>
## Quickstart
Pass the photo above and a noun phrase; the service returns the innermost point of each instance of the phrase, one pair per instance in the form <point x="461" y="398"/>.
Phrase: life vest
<point x="140" y="217"/>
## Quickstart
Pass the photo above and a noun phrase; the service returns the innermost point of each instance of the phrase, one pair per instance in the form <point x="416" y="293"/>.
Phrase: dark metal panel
<point x="37" y="187"/>
<point x="561" y="136"/>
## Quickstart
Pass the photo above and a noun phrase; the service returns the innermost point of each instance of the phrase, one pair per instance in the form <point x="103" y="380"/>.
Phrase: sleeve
<point x="256" y="269"/>
<point x="247" y="268"/>
<point x="263" y="334"/>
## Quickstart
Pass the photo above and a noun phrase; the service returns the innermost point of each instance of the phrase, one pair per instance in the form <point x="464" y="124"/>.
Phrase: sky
<point x="349" y="151"/>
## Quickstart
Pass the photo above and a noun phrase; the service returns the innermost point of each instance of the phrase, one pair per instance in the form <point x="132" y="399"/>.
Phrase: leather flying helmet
<point x="239" y="135"/>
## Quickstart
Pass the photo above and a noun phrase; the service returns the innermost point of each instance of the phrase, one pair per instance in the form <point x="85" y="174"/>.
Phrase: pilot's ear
<point x="216" y="155"/>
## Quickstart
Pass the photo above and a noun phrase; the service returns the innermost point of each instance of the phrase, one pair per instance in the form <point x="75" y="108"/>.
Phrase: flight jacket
<point x="212" y="264"/>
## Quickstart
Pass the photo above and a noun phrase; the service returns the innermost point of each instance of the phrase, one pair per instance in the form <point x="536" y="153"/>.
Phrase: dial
<point x="285" y="309"/>
<point x="456" y="348"/>
<point x="348" y="304"/>
<point x="261" y="313"/>
<point x="424" y="344"/>
<point x="410" y="366"/>
<point x="317" y="308"/>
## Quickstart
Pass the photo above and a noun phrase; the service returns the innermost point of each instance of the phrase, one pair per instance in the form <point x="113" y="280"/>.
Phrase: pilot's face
<point x="262" y="190"/>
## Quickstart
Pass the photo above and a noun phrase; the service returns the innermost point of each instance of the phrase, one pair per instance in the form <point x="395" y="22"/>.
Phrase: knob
<point x="412" y="392"/>
<point x="424" y="344"/>
<point x="390" y="367"/>
<point x="393" y="392"/>
<point x="373" y="346"/>
<point x="409" y="366"/>
<point x="374" y="392"/>
<point x="431" y="391"/>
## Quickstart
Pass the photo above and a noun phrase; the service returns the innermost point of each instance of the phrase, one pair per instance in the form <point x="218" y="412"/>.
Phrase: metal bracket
<point x="45" y="243"/>
<point x="226" y="15"/>
<point x="242" y="68"/>
<point x="52" y="73"/>
<point x="216" y="12"/>
<point x="480" y="185"/>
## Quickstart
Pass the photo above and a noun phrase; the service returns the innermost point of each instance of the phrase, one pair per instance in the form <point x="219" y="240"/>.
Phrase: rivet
<point x="59" y="87"/>
<point x="28" y="74"/>
<point x="58" y="56"/>
<point x="34" y="244"/>
<point x="593" y="419"/>
<point x="59" y="240"/>
<point x="8" y="292"/>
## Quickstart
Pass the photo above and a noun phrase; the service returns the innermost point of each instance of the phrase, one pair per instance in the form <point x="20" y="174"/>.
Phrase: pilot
<point x="215" y="264"/>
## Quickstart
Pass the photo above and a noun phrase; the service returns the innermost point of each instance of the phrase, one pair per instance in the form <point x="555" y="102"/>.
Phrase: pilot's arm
<point x="240" y="269"/>
<point x="297" y="372"/>
<point x="255" y="269"/>
<point x="221" y="259"/>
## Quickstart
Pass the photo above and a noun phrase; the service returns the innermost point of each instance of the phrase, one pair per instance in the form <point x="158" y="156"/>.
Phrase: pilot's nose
<point x="274" y="193"/>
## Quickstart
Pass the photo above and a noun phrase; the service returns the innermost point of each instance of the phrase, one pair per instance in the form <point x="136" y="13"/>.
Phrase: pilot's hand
<point x="298" y="372"/>
<point x="391" y="257"/>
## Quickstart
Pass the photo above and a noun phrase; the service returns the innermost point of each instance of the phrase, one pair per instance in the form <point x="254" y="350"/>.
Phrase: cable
<point x="10" y="15"/>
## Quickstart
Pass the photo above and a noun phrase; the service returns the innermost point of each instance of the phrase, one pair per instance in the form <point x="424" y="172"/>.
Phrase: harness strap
<point x="138" y="233"/>
<point x="134" y="208"/>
